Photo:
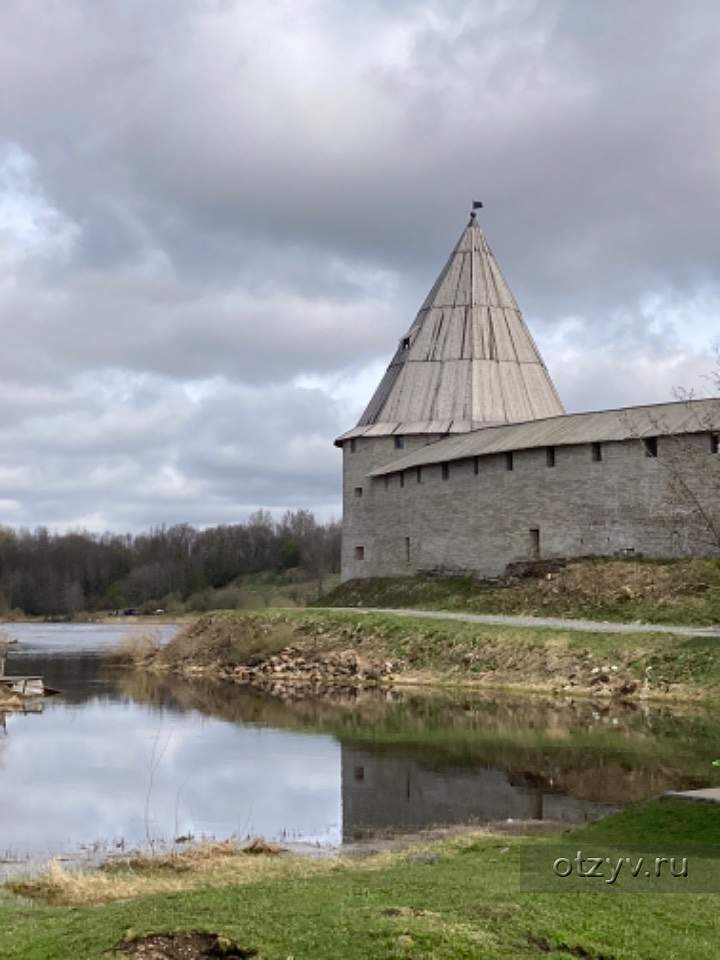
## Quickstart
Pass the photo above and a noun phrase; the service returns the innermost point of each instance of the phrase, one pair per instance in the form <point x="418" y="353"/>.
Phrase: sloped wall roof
<point x="625" y="423"/>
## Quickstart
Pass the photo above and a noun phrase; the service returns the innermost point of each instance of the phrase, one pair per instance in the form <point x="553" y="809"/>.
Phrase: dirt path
<point x="587" y="626"/>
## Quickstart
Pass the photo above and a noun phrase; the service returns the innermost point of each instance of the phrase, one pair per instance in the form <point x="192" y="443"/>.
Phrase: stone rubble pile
<point x="313" y="671"/>
<point x="606" y="681"/>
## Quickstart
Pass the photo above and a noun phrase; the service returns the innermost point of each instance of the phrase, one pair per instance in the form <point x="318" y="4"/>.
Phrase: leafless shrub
<point x="691" y="464"/>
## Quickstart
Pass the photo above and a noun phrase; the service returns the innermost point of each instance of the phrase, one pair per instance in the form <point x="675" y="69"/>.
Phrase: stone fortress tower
<point x="467" y="398"/>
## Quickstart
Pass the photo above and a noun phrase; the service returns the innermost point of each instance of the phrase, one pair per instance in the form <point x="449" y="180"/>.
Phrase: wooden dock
<point x="23" y="686"/>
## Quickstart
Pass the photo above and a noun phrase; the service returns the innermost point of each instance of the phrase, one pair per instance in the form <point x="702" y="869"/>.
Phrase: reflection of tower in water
<point x="392" y="791"/>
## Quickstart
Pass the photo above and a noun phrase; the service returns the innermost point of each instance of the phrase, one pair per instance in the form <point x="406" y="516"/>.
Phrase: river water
<point x="122" y="759"/>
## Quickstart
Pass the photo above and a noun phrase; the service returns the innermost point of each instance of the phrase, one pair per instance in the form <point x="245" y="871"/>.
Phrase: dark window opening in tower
<point x="399" y="442"/>
<point x="509" y="461"/>
<point x="550" y="456"/>
<point x="597" y="452"/>
<point x="445" y="471"/>
<point x="651" y="446"/>
<point x="359" y="553"/>
<point x="715" y="443"/>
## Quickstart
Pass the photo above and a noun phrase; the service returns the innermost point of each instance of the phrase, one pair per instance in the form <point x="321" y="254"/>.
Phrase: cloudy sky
<point x="218" y="216"/>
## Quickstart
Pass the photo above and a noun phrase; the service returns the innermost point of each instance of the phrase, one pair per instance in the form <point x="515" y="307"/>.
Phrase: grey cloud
<point x="225" y="196"/>
<point x="155" y="453"/>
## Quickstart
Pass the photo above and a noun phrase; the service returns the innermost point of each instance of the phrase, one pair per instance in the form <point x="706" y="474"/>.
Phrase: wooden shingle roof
<point x="467" y="360"/>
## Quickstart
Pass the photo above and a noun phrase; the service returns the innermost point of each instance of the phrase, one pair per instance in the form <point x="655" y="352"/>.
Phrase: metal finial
<point x="476" y="205"/>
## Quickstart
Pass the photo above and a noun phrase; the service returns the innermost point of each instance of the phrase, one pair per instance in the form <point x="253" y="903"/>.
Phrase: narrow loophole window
<point x="407" y="549"/>
<point x="418" y="474"/>
<point x="535" y="543"/>
<point x="651" y="446"/>
<point x="509" y="461"/>
<point x="445" y="471"/>
<point x="550" y="456"/>
<point x="715" y="443"/>
<point x="358" y="492"/>
<point x="359" y="553"/>
<point x="399" y="442"/>
<point x="402" y="479"/>
<point x="353" y="445"/>
<point x="476" y="465"/>
<point x="597" y="452"/>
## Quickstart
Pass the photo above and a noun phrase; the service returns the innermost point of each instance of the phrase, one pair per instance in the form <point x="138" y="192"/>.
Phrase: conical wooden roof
<point x="468" y="359"/>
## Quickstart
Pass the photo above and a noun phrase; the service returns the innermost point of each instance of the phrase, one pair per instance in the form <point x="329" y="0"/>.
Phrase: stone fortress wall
<point x="476" y="515"/>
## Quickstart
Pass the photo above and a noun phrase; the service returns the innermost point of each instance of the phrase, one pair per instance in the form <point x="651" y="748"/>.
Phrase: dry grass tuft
<point x="260" y="847"/>
<point x="138" y="647"/>
<point x="174" y="861"/>
<point x="229" y="641"/>
<point x="203" y="865"/>
<point x="213" y="864"/>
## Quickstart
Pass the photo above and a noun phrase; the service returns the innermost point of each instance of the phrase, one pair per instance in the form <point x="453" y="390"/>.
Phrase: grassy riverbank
<point x="677" y="591"/>
<point x="455" y="898"/>
<point x="324" y="648"/>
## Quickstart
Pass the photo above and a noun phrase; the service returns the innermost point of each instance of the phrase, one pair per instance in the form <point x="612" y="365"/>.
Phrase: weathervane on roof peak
<point x="476" y="205"/>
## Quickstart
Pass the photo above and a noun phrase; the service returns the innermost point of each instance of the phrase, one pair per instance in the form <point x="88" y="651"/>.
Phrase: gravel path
<point x="589" y="626"/>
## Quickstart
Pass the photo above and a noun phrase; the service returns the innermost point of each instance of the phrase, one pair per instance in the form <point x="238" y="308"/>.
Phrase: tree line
<point x="61" y="574"/>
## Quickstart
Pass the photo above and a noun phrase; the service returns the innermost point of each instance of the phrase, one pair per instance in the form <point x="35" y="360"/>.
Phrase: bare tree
<point x="689" y="459"/>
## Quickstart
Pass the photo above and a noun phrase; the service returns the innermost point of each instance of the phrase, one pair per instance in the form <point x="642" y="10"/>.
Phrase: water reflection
<point x="382" y="792"/>
<point x="125" y="756"/>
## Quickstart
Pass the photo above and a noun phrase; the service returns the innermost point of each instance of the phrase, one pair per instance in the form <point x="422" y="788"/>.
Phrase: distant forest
<point x="170" y="568"/>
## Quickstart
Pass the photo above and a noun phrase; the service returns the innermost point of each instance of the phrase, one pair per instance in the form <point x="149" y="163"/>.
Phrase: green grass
<point x="289" y="589"/>
<point x="660" y="821"/>
<point x="465" y="904"/>
<point x="679" y="592"/>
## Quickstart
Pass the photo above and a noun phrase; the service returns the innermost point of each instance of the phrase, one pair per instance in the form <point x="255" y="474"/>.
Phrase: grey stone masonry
<point x="362" y="496"/>
<point x="477" y="515"/>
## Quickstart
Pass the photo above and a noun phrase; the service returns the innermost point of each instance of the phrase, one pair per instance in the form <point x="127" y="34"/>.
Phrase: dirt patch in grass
<point x="187" y="945"/>
<point x="543" y="945"/>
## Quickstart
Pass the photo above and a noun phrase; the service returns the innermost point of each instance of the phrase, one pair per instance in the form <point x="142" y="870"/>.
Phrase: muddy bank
<point x="310" y="653"/>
